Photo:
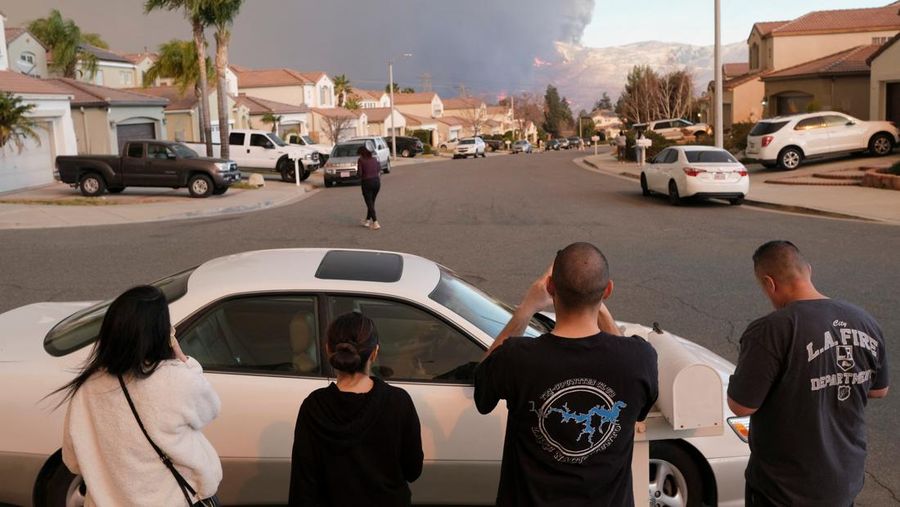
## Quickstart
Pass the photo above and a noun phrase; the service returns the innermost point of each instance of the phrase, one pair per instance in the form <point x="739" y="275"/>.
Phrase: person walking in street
<point x="369" y="170"/>
<point x="804" y="376"/>
<point x="138" y="398"/>
<point x="621" y="143"/>
<point x="573" y="395"/>
<point x="357" y="441"/>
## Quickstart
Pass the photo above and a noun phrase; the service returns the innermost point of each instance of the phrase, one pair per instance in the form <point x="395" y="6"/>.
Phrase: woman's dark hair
<point x="352" y="338"/>
<point x="133" y="340"/>
<point x="364" y="152"/>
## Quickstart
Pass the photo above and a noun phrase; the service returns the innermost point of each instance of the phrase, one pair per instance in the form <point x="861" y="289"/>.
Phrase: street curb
<point x="801" y="210"/>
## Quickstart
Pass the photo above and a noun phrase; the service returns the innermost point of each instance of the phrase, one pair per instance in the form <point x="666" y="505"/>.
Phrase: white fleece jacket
<point x="103" y="442"/>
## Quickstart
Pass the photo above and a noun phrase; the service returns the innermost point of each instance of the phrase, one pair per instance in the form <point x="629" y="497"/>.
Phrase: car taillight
<point x="742" y="172"/>
<point x="767" y="140"/>
<point x="691" y="171"/>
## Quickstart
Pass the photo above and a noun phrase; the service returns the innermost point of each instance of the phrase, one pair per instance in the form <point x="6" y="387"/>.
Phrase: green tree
<point x="342" y="89"/>
<point x="220" y="14"/>
<point x="65" y="41"/>
<point x="274" y="119"/>
<point x="177" y="61"/>
<point x="16" y="126"/>
<point x="352" y="103"/>
<point x="604" y="103"/>
<point x="387" y="88"/>
<point x="194" y="12"/>
<point x="557" y="113"/>
<point x="408" y="89"/>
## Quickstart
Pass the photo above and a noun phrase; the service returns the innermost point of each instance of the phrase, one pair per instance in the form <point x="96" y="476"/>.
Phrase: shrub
<point x="429" y="149"/>
<point x="659" y="143"/>
<point x="422" y="135"/>
<point x="736" y="140"/>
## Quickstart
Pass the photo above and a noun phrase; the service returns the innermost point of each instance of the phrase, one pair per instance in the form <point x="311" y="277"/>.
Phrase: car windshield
<point x="467" y="141"/>
<point x="82" y="327"/>
<point x="182" y="151"/>
<point x="767" y="127"/>
<point x="307" y="139"/>
<point x="479" y="308"/>
<point x="346" y="150"/>
<point x="277" y="140"/>
<point x="709" y="156"/>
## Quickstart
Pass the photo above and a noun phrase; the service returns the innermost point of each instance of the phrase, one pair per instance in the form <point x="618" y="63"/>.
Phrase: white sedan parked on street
<point x="696" y="171"/>
<point x="258" y="331"/>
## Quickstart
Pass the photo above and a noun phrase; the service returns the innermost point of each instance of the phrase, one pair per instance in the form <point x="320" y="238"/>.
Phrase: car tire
<point x="387" y="170"/>
<point x="59" y="486"/>
<point x="736" y="201"/>
<point x="699" y="135"/>
<point x="405" y="153"/>
<point x="645" y="190"/>
<point x="92" y="185"/>
<point x="674" y="474"/>
<point x="881" y="145"/>
<point x="117" y="190"/>
<point x="200" y="185"/>
<point x="674" y="196"/>
<point x="790" y="158"/>
<point x="328" y="183"/>
<point x="286" y="169"/>
<point x="220" y="190"/>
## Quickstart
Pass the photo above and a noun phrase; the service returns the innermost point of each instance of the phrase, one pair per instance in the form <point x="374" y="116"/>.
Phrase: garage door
<point x="134" y="131"/>
<point x="32" y="166"/>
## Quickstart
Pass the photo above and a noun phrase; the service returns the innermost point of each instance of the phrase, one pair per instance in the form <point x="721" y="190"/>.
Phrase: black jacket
<point x="356" y="449"/>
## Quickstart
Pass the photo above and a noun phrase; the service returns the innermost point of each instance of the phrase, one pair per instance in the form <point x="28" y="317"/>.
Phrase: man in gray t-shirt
<point x="804" y="375"/>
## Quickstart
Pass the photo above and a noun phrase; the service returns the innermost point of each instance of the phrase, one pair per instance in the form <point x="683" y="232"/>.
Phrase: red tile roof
<point x="137" y="57"/>
<point x="414" y="98"/>
<point x="730" y="84"/>
<point x="13" y="33"/>
<point x="378" y="114"/>
<point x="337" y="112"/>
<point x="841" y="20"/>
<point x="735" y="69"/>
<point x="453" y="121"/>
<point x="13" y="82"/>
<point x="263" y="78"/>
<point x="413" y="120"/>
<point x="367" y="94"/>
<point x="178" y="101"/>
<point x="462" y="103"/>
<point x="86" y="94"/>
<point x="257" y="106"/>
<point x="883" y="48"/>
<point x="849" y="61"/>
<point x="765" y="27"/>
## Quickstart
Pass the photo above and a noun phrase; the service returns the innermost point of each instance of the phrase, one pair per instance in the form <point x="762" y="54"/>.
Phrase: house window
<point x="879" y="40"/>
<point x="127" y="77"/>
<point x="324" y="96"/>
<point x="27" y="57"/>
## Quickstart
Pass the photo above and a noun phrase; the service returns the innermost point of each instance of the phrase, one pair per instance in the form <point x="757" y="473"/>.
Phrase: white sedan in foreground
<point x="258" y="331"/>
<point x="696" y="171"/>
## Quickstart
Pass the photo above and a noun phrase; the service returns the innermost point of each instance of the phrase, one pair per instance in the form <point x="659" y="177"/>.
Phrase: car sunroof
<point x="360" y="266"/>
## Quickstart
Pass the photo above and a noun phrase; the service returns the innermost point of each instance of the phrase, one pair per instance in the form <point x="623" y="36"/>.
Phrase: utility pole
<point x="425" y="82"/>
<point x="718" y="132"/>
<point x="512" y="112"/>
<point x="391" y="86"/>
<point x="462" y="90"/>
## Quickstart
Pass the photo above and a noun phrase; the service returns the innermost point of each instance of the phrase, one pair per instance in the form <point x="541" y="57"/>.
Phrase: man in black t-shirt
<point x="804" y="375"/>
<point x="573" y="395"/>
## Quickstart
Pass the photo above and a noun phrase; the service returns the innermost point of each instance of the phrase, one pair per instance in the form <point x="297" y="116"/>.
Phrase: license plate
<point x="345" y="174"/>
<point x="720" y="176"/>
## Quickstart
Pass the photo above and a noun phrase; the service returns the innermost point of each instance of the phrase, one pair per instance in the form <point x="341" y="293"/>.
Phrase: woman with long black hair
<point x="369" y="170"/>
<point x="357" y="441"/>
<point x="137" y="400"/>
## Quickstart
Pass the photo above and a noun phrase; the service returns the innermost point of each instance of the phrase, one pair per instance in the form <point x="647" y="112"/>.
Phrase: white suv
<point x="470" y="147"/>
<point x="786" y="141"/>
<point x="382" y="151"/>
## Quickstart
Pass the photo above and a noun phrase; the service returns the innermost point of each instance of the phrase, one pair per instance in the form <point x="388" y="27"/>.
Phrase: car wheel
<point x="92" y="185"/>
<point x="736" y="201"/>
<point x="220" y="190"/>
<point x="790" y="158"/>
<point x="675" y="480"/>
<point x="200" y="185"/>
<point x="405" y="153"/>
<point x="881" y="145"/>
<point x="61" y="487"/>
<point x="645" y="190"/>
<point x="285" y="167"/>
<point x="443" y="146"/>
<point x="117" y="190"/>
<point x="304" y="174"/>
<point x="699" y="135"/>
<point x="387" y="169"/>
<point x="674" y="197"/>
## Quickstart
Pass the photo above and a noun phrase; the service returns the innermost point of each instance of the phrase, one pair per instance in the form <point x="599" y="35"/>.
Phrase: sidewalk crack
<point x="885" y="486"/>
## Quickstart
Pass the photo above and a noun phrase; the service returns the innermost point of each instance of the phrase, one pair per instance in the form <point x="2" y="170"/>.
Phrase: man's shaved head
<point x="781" y="260"/>
<point x="580" y="275"/>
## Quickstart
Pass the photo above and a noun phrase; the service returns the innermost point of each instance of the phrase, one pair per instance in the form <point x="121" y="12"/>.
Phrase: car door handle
<point x="248" y="150"/>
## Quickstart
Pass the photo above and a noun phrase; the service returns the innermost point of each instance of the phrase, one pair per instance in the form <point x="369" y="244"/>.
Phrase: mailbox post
<point x="640" y="147"/>
<point x="595" y="140"/>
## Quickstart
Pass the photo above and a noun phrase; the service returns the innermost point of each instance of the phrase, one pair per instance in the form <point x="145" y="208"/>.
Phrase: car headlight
<point x="223" y="167"/>
<point x="741" y="427"/>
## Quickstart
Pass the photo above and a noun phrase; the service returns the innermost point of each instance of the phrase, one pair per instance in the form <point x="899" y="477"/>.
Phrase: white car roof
<point x="801" y="116"/>
<point x="697" y="147"/>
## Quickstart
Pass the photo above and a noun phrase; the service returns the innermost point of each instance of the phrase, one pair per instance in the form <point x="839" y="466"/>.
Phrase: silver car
<point x="521" y="146"/>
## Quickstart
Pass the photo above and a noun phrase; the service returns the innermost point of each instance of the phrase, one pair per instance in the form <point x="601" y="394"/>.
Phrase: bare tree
<point x="336" y="123"/>
<point x="649" y="96"/>
<point x="474" y="116"/>
<point x="527" y="108"/>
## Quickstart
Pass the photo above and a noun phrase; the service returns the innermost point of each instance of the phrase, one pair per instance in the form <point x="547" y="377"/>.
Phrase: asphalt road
<point x="499" y="221"/>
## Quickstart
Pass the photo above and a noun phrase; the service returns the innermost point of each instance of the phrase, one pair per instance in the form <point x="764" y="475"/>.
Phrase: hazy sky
<point x="490" y="45"/>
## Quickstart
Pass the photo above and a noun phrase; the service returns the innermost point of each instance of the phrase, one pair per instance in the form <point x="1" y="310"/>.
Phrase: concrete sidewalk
<point x="838" y="201"/>
<point x="58" y="205"/>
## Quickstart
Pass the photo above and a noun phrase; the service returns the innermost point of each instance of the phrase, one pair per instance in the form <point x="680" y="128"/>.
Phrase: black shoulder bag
<point x="186" y="488"/>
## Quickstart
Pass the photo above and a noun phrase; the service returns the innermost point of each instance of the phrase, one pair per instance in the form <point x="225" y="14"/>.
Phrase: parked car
<point x="382" y="150"/>
<point x="255" y="322"/>
<point x="575" y="142"/>
<point x="521" y="146"/>
<point x="261" y="150"/>
<point x="341" y="165"/>
<point x="324" y="150"/>
<point x="408" y="147"/>
<point x="470" y="147"/>
<point x="148" y="164"/>
<point x="449" y="145"/>
<point x="786" y="141"/>
<point x="696" y="171"/>
<point x="552" y="144"/>
<point x="494" y="144"/>
<point x="675" y="129"/>
<point x="563" y="143"/>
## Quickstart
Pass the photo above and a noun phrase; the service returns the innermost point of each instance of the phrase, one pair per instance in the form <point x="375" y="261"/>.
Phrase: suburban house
<point x="369" y="99"/>
<point x="421" y="123"/>
<point x="142" y="62"/>
<point x="778" y="45"/>
<point x="113" y="69"/>
<point x="183" y="117"/>
<point x="106" y="118"/>
<point x="291" y="118"/>
<point x="499" y="120"/>
<point x="450" y="128"/>
<point x="423" y="104"/>
<point x="26" y="54"/>
<point x="838" y="82"/>
<point x="380" y="123"/>
<point x="884" y="82"/>
<point x="335" y="124"/>
<point x="312" y="89"/>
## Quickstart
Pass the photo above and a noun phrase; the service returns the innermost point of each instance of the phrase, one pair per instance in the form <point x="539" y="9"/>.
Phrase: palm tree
<point x="221" y="14"/>
<point x="342" y="88"/>
<point x="193" y="11"/>
<point x="16" y="126"/>
<point x="352" y="103"/>
<point x="178" y="61"/>
<point x="273" y="119"/>
<point x="65" y="42"/>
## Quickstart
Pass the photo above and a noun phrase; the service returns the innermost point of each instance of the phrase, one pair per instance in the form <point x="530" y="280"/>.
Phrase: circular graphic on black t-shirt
<point x="578" y="418"/>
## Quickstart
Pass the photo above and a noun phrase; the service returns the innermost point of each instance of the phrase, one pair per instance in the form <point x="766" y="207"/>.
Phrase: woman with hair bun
<point x="357" y="441"/>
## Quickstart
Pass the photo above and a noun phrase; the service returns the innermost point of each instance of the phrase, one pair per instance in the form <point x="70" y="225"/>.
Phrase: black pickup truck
<point x="148" y="164"/>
